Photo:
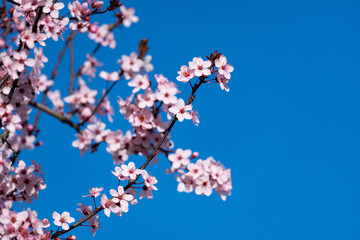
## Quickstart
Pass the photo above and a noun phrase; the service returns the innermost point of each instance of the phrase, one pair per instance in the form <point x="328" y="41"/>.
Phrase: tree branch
<point x="55" y="115"/>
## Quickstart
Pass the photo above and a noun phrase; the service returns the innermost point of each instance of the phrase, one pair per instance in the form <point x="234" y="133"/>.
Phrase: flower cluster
<point x="21" y="225"/>
<point x="204" y="176"/>
<point x="200" y="68"/>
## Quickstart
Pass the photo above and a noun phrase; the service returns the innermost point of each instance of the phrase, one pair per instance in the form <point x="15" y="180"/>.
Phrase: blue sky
<point x="288" y="128"/>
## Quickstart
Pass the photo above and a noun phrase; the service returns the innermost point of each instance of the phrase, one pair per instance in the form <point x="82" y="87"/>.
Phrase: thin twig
<point x="61" y="54"/>
<point x="15" y="158"/>
<point x="38" y="16"/>
<point x="12" y="90"/>
<point x="72" y="74"/>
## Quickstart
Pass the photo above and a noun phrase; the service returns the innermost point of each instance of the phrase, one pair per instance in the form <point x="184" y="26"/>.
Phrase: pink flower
<point x="22" y="59"/>
<point x="148" y="67"/>
<point x="114" y="76"/>
<point x="98" y="131"/>
<point x="13" y="218"/>
<point x="94" y="192"/>
<point x="78" y="10"/>
<point x="83" y="142"/>
<point x="180" y="158"/>
<point x="145" y="100"/>
<point x="86" y="210"/>
<point x="185" y="74"/>
<point x="43" y="83"/>
<point x="109" y="205"/>
<point x="121" y="198"/>
<point x="119" y="174"/>
<point x="148" y="186"/>
<point x="149" y="181"/>
<point x="222" y="80"/>
<point x="181" y="110"/>
<point x="130" y="171"/>
<point x="56" y="100"/>
<point x="144" y="119"/>
<point x="195" y="117"/>
<point x="53" y="9"/>
<point x="28" y="38"/>
<point x="11" y="66"/>
<point x="203" y="185"/>
<point x="96" y="4"/>
<point x="200" y="67"/>
<point x="139" y="82"/>
<point x="94" y="223"/>
<point x="131" y="63"/>
<point x="89" y="66"/>
<point x="63" y="219"/>
<point x="224" y="68"/>
<point x="166" y="92"/>
<point x="129" y="17"/>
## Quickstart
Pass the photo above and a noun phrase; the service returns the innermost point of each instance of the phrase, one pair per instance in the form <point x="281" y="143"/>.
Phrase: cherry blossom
<point x="94" y="223"/>
<point x="185" y="74"/>
<point x="181" y="110"/>
<point x="63" y="219"/>
<point x="129" y="16"/>
<point x="109" y="205"/>
<point x="121" y="198"/>
<point x="223" y="81"/>
<point x="130" y="171"/>
<point x="94" y="192"/>
<point x="195" y="117"/>
<point x="200" y="67"/>
<point x="146" y="100"/>
<point x="224" y="68"/>
<point x="149" y="182"/>
<point x="139" y="82"/>
<point x="53" y="9"/>
<point x="130" y="64"/>
<point x="86" y="210"/>
<point x="180" y="158"/>
<point x="43" y="83"/>
<point x="114" y="76"/>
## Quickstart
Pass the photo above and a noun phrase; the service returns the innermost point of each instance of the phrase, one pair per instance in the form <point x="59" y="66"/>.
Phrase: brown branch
<point x="7" y="30"/>
<point x="57" y="115"/>
<point x="72" y="74"/>
<point x="61" y="54"/>
<point x="4" y="80"/>
<point x="15" y="154"/>
<point x="38" y="16"/>
<point x="12" y="90"/>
